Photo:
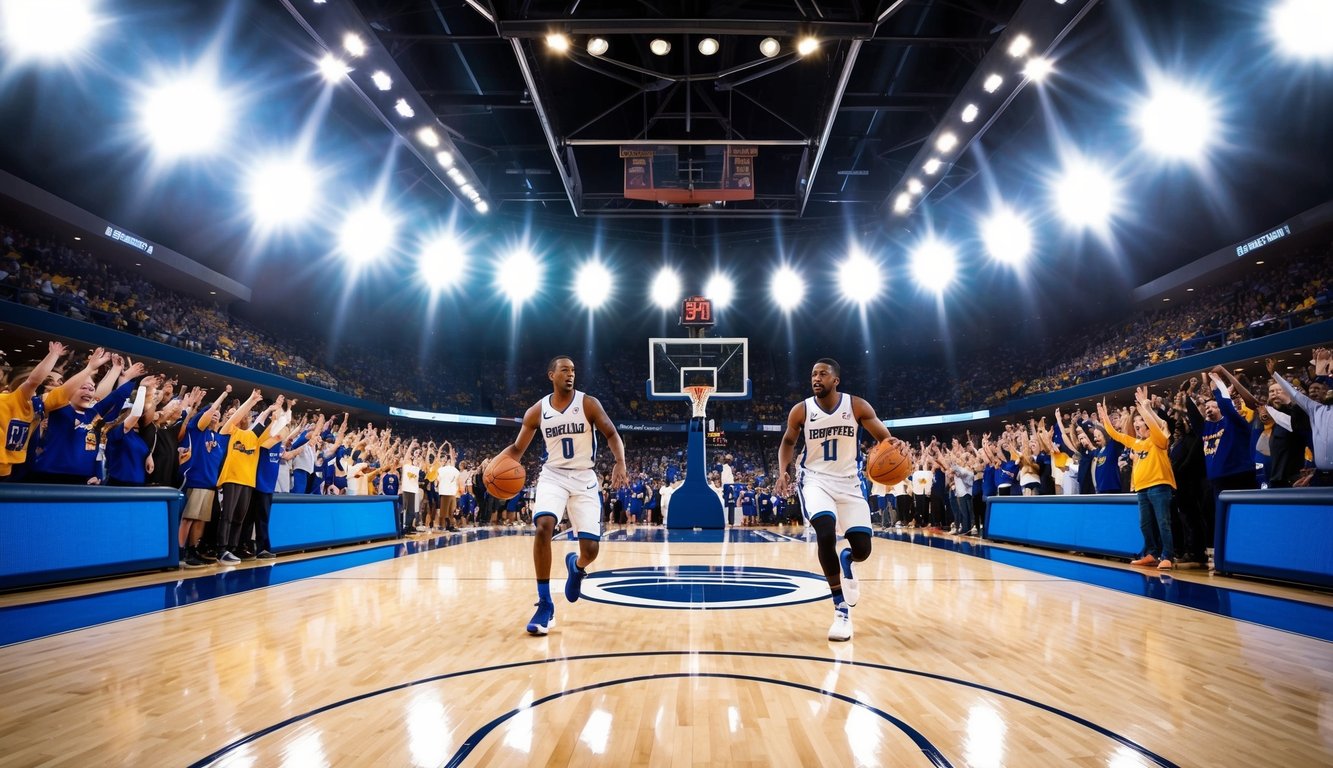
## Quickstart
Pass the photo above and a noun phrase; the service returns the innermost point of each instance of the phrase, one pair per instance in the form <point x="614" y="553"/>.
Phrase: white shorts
<point x="575" y="492"/>
<point x="837" y="496"/>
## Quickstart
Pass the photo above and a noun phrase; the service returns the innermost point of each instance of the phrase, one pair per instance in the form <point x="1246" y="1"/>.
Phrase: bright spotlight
<point x="807" y="46"/>
<point x="1020" y="45"/>
<point x="333" y="68"/>
<point x="366" y="235"/>
<point x="354" y="45"/>
<point x="902" y="203"/>
<point x="769" y="47"/>
<point x="483" y="207"/>
<point x="404" y="109"/>
<point x="708" y="46"/>
<point x="915" y="187"/>
<point x="970" y="113"/>
<point x="382" y="80"/>
<point x="720" y="289"/>
<point x="787" y="288"/>
<point x="947" y="141"/>
<point x="519" y="276"/>
<point x="457" y="176"/>
<point x="659" y="46"/>
<point x="1007" y="236"/>
<point x="1176" y="122"/>
<point x="282" y="192"/>
<point x="557" y="42"/>
<point x="429" y="137"/>
<point x="593" y="284"/>
<point x="445" y="158"/>
<point x="1302" y="29"/>
<point x="189" y="115"/>
<point x="992" y="83"/>
<point x="860" y="278"/>
<point x="1038" y="69"/>
<point x="934" y="264"/>
<point x="932" y="166"/>
<point x="598" y="46"/>
<point x="666" y="288"/>
<point x="1086" y="195"/>
<point x="46" y="29"/>
<point x="442" y="263"/>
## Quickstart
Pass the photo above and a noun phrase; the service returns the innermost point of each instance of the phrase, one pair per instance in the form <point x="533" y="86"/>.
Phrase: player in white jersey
<point x="566" y="419"/>
<point x="829" y="483"/>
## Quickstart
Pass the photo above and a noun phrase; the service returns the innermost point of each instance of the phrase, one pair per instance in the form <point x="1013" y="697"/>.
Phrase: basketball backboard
<point x="675" y="363"/>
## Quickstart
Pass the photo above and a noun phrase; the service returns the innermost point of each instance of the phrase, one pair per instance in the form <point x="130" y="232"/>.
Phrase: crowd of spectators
<point x="1283" y="294"/>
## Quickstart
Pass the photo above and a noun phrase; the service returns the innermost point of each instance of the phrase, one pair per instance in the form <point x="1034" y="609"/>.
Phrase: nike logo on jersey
<point x="548" y="415"/>
<point x="591" y="487"/>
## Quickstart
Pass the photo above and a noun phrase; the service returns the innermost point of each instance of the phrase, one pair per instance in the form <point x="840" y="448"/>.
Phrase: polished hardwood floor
<point x="681" y="653"/>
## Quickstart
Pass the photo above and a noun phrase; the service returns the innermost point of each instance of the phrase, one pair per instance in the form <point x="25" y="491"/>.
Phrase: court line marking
<point x="255" y="736"/>
<point x="474" y="739"/>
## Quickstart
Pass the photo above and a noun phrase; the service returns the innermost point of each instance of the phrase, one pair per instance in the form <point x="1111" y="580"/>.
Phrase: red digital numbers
<point x="696" y="311"/>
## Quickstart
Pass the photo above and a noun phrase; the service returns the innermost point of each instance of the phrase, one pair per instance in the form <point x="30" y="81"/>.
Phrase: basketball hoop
<point x="699" y="398"/>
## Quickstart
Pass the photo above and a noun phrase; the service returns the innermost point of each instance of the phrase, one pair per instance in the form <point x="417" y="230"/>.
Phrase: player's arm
<point x="597" y="415"/>
<point x="531" y="420"/>
<point x="787" y="450"/>
<point x="865" y="416"/>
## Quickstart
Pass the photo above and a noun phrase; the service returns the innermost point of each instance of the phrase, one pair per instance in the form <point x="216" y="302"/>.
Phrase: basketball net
<point x="699" y="398"/>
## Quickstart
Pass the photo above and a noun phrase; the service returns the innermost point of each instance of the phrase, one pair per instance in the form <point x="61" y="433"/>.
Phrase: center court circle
<point x="712" y="587"/>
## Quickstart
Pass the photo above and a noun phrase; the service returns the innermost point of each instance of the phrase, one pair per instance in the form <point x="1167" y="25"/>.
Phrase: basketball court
<point x="687" y="649"/>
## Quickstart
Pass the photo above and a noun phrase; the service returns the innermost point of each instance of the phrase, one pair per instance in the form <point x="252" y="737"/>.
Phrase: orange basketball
<point x="504" y="477"/>
<point x="887" y="465"/>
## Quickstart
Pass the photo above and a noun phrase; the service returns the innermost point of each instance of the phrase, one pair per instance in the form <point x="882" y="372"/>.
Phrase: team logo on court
<point x="704" y="587"/>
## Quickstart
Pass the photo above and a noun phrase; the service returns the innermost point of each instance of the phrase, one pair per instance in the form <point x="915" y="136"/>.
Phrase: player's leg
<point x="585" y="518"/>
<point x="854" y="524"/>
<point x="550" y="496"/>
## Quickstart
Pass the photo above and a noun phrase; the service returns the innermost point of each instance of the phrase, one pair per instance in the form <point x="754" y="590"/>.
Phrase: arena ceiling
<point x="840" y="135"/>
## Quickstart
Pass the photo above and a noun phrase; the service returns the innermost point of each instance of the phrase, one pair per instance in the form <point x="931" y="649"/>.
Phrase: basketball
<point x="504" y="477"/>
<point x="887" y="465"/>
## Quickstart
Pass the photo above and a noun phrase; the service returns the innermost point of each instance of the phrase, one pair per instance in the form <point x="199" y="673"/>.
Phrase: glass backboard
<point x="676" y="363"/>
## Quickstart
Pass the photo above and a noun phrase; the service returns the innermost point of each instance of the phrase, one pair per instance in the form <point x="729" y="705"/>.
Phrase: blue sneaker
<point x="851" y="588"/>
<point x="573" y="584"/>
<point x="543" y="619"/>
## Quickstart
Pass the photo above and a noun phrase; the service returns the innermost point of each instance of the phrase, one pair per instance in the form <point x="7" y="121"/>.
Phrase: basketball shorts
<point x="575" y="492"/>
<point x="838" y="496"/>
<point x="198" y="504"/>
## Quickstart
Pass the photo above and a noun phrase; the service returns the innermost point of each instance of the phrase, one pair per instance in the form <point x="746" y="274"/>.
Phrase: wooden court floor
<point x="422" y="660"/>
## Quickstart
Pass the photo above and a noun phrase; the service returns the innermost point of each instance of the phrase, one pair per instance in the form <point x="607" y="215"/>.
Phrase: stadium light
<point x="709" y="46"/>
<point x="557" y="42"/>
<point x="282" y="192"/>
<point x="720" y="289"/>
<point x="807" y="46"/>
<point x="787" y="289"/>
<point x="598" y="46"/>
<point x="354" y="45"/>
<point x="1038" y="69"/>
<point x="860" y="278"/>
<point x="666" y="288"/>
<point x="1086" y="195"/>
<point x="659" y="46"/>
<point x="46" y="29"/>
<point x="970" y="113"/>
<point x="1176" y="122"/>
<point x="367" y="234"/>
<point x="429" y="137"/>
<point x="483" y="207"/>
<point x="915" y="187"/>
<point x="382" y="80"/>
<point x="333" y="68"/>
<point x="934" y="263"/>
<point x="593" y="284"/>
<point x="1008" y="237"/>
<point x="185" y="115"/>
<point x="1301" y="29"/>
<point x="519" y="276"/>
<point x="769" y="47"/>
<point x="442" y="263"/>
<point x="902" y="203"/>
<point x="932" y="166"/>
<point x="992" y="83"/>
<point x="1020" y="45"/>
<point x="445" y="159"/>
<point x="947" y="141"/>
<point x="404" y="109"/>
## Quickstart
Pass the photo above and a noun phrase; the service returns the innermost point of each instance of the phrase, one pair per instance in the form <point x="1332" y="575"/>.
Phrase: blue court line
<point x="931" y="752"/>
<point x="19" y="623"/>
<point x="1309" y="619"/>
<point x="255" y="736"/>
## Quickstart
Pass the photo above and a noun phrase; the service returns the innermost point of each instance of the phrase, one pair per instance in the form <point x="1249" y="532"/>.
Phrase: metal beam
<point x="547" y="129"/>
<point x="824" y="30"/>
<point x="848" y="64"/>
<point x="685" y="142"/>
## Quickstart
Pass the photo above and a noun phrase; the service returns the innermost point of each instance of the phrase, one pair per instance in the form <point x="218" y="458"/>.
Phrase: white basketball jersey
<point x="830" y="439"/>
<point x="570" y="440"/>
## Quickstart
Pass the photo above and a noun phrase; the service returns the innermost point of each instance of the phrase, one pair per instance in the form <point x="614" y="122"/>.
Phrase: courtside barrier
<point x="1283" y="533"/>
<point x="51" y="533"/>
<point x="1100" y="524"/>
<point x="300" y="521"/>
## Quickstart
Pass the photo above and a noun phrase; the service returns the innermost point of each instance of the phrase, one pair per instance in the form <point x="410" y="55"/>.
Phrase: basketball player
<point x="828" y="484"/>
<point x="566" y="419"/>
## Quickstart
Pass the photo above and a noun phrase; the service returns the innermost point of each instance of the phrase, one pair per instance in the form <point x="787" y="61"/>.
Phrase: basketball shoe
<point x="841" y="629"/>
<point x="851" y="588"/>
<point x="543" y="619"/>
<point x="573" y="584"/>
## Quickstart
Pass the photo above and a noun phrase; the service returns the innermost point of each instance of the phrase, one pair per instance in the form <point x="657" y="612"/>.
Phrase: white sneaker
<point x="841" y="629"/>
<point x="851" y="588"/>
<point x="228" y="558"/>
